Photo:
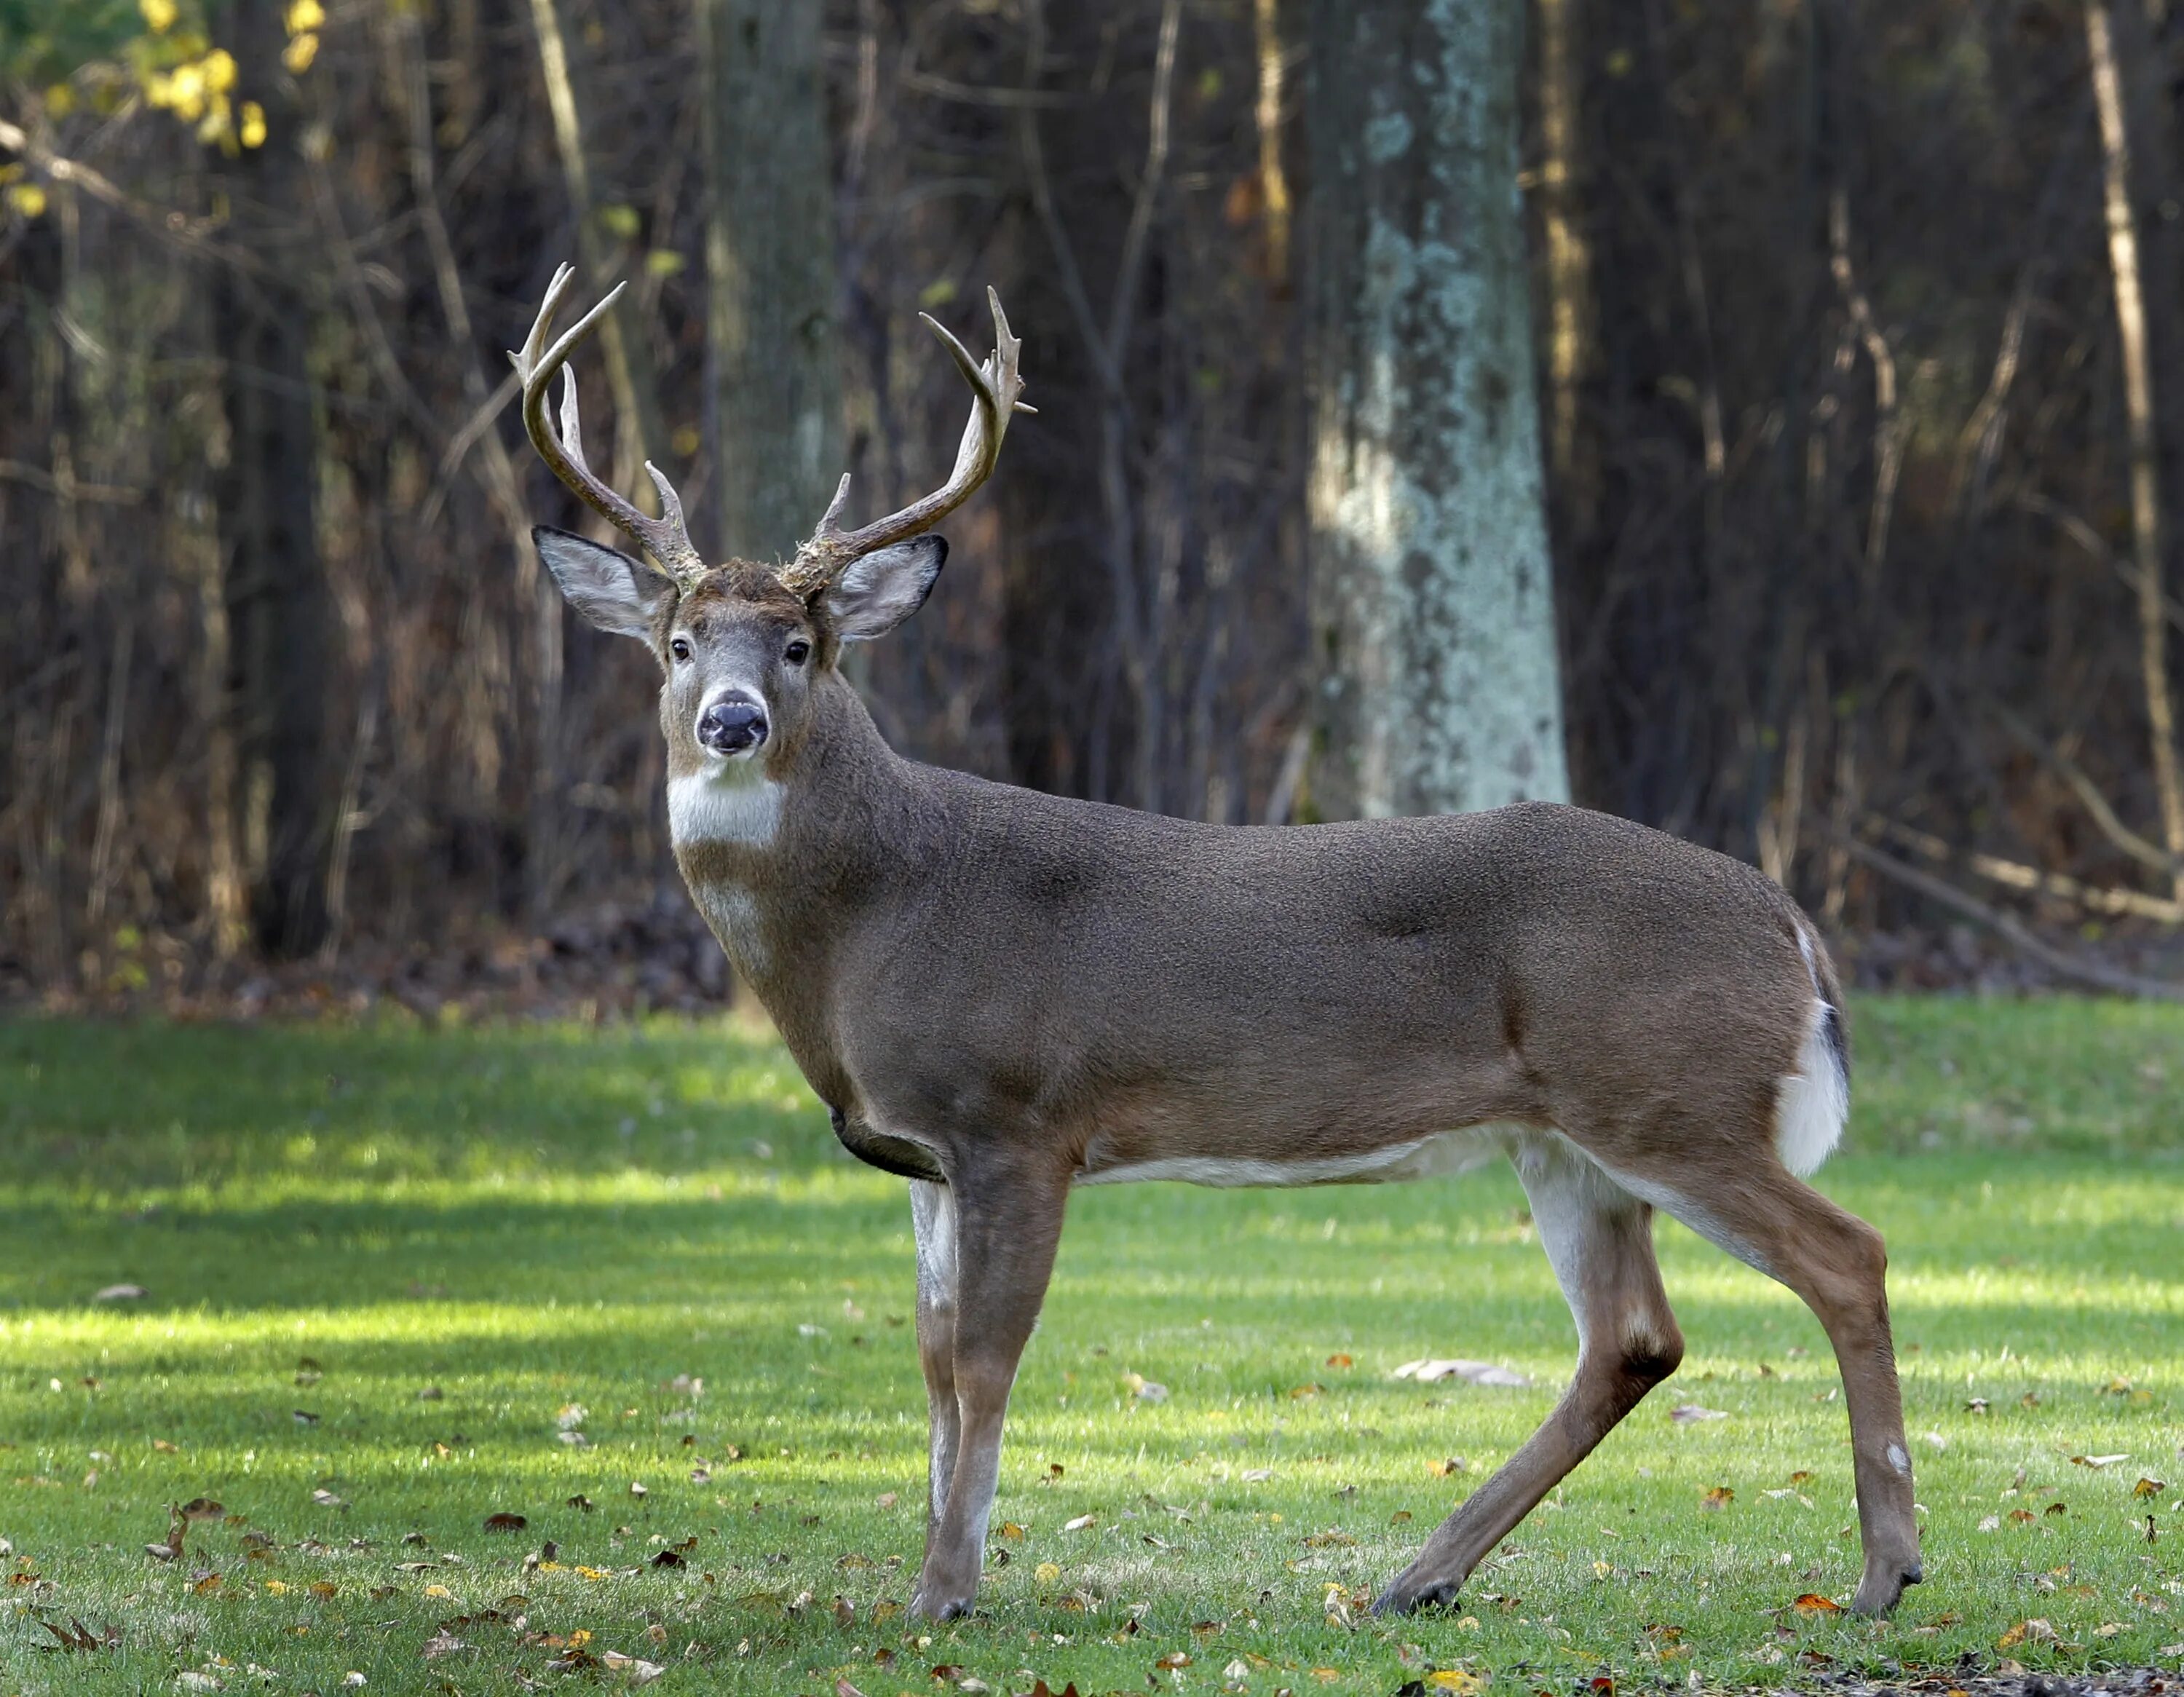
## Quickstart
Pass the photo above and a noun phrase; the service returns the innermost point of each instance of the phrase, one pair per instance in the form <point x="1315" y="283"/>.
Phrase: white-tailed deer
<point x="1002" y="995"/>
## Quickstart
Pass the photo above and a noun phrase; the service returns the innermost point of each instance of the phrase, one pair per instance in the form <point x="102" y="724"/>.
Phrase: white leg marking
<point x="1569" y="1192"/>
<point x="1899" y="1461"/>
<point x="933" y="1219"/>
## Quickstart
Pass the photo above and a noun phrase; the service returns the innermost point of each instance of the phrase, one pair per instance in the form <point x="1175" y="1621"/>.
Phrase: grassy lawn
<point x="392" y="1275"/>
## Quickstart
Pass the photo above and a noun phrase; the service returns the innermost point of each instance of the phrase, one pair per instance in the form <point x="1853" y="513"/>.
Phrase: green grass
<point x="537" y="1221"/>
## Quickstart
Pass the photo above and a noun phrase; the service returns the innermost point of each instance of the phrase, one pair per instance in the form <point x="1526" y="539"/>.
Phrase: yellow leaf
<point x="1720" y="1497"/>
<point x="305" y="15"/>
<point x="2148" y="1488"/>
<point x="298" y="54"/>
<point x="219" y="68"/>
<point x="1456" y="1679"/>
<point x="159" y="14"/>
<point x="276" y="1587"/>
<point x="1010" y="1529"/>
<point x="437" y="1591"/>
<point x="323" y="1587"/>
<point x="1046" y="1572"/>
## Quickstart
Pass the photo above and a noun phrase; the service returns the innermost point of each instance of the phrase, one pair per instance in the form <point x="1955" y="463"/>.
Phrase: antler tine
<point x="995" y="384"/>
<point x="666" y="537"/>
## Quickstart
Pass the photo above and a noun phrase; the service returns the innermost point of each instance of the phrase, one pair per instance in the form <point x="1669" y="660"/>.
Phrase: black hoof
<point x="1401" y="1598"/>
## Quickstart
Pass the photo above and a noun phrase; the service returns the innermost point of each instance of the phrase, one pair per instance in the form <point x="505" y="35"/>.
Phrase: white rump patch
<point x="1812" y="1103"/>
<point x="734" y="803"/>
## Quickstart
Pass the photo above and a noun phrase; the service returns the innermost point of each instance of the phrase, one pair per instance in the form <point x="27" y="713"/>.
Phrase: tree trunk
<point x="639" y="434"/>
<point x="273" y="581"/>
<point x="772" y="406"/>
<point x="1572" y="325"/>
<point x="1432" y="607"/>
<point x="2116" y="38"/>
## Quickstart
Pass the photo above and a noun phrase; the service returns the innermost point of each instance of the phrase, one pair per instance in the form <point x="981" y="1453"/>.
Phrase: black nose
<point x="733" y="724"/>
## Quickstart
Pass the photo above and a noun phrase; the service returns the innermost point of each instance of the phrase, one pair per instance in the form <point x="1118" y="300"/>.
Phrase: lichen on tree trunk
<point x="1433" y="604"/>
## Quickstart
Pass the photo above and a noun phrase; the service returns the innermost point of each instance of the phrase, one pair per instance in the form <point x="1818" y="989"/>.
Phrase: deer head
<point x="741" y="645"/>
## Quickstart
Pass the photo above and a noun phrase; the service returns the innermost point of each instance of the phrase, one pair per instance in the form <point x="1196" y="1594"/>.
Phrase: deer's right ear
<point x="619" y="595"/>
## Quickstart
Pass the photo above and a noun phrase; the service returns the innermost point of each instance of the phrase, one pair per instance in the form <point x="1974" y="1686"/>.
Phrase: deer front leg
<point x="933" y="1218"/>
<point x="1006" y="1222"/>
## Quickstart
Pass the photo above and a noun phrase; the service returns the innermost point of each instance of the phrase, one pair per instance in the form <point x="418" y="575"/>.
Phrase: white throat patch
<point x="734" y="803"/>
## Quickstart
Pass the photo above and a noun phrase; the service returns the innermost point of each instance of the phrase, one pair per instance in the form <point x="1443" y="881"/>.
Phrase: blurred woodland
<point x="1859" y="349"/>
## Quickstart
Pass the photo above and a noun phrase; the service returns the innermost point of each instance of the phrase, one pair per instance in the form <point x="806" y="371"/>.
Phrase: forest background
<point x="1854" y="363"/>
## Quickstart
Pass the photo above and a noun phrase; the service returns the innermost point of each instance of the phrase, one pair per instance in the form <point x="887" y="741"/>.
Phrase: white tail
<point x="1815" y="1101"/>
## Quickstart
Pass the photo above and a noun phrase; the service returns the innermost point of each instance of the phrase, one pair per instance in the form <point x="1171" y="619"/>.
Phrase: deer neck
<point x="781" y="854"/>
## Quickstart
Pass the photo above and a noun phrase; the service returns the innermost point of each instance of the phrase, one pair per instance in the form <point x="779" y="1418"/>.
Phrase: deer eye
<point x="798" y="652"/>
<point x="679" y="648"/>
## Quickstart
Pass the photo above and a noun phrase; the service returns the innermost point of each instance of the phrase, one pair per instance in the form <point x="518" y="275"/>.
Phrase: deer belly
<point x="1443" y="1153"/>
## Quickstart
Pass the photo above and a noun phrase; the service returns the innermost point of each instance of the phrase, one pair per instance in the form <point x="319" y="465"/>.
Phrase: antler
<point x="996" y="384"/>
<point x="665" y="538"/>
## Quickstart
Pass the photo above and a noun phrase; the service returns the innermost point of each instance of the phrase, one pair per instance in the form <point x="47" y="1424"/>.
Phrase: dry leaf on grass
<point x="122" y="1292"/>
<point x="505" y="1521"/>
<point x="1690" y="1414"/>
<point x="1431" y="1371"/>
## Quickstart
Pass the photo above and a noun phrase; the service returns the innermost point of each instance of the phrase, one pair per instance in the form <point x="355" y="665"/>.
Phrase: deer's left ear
<point x="883" y="588"/>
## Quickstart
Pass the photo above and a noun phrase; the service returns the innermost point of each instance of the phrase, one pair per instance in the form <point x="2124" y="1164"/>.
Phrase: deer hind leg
<point x="1006" y="1226"/>
<point x="1599" y="1238"/>
<point x="933" y="1219"/>
<point x="1838" y="1265"/>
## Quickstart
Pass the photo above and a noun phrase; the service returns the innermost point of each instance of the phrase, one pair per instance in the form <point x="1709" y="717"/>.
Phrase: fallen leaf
<point x="1690" y="1414"/>
<point x="1339" y="1360"/>
<point x="122" y="1292"/>
<point x="1720" y="1497"/>
<point x="326" y="1499"/>
<point x="1009" y="1528"/>
<point x="633" y="1670"/>
<point x="2149" y="1487"/>
<point x="203" y="1508"/>
<point x="505" y="1521"/>
<point x="1046" y="1572"/>
<point x="1333" y="1538"/>
<point x="1143" y="1389"/>
<point x="582" y="1503"/>
<point x="443" y="1643"/>
<point x="1173" y="1660"/>
<point x="1300" y="1392"/>
<point x="1812" y="1603"/>
<point x="1431" y="1371"/>
<point x="2099" y="1461"/>
<point x="1456" y="1679"/>
<point x="1442" y="1469"/>
<point x="1082" y="1522"/>
<point x="1256" y="1475"/>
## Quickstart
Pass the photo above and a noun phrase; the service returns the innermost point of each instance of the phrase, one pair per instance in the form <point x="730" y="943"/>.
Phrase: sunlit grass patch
<point x="397" y="1282"/>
